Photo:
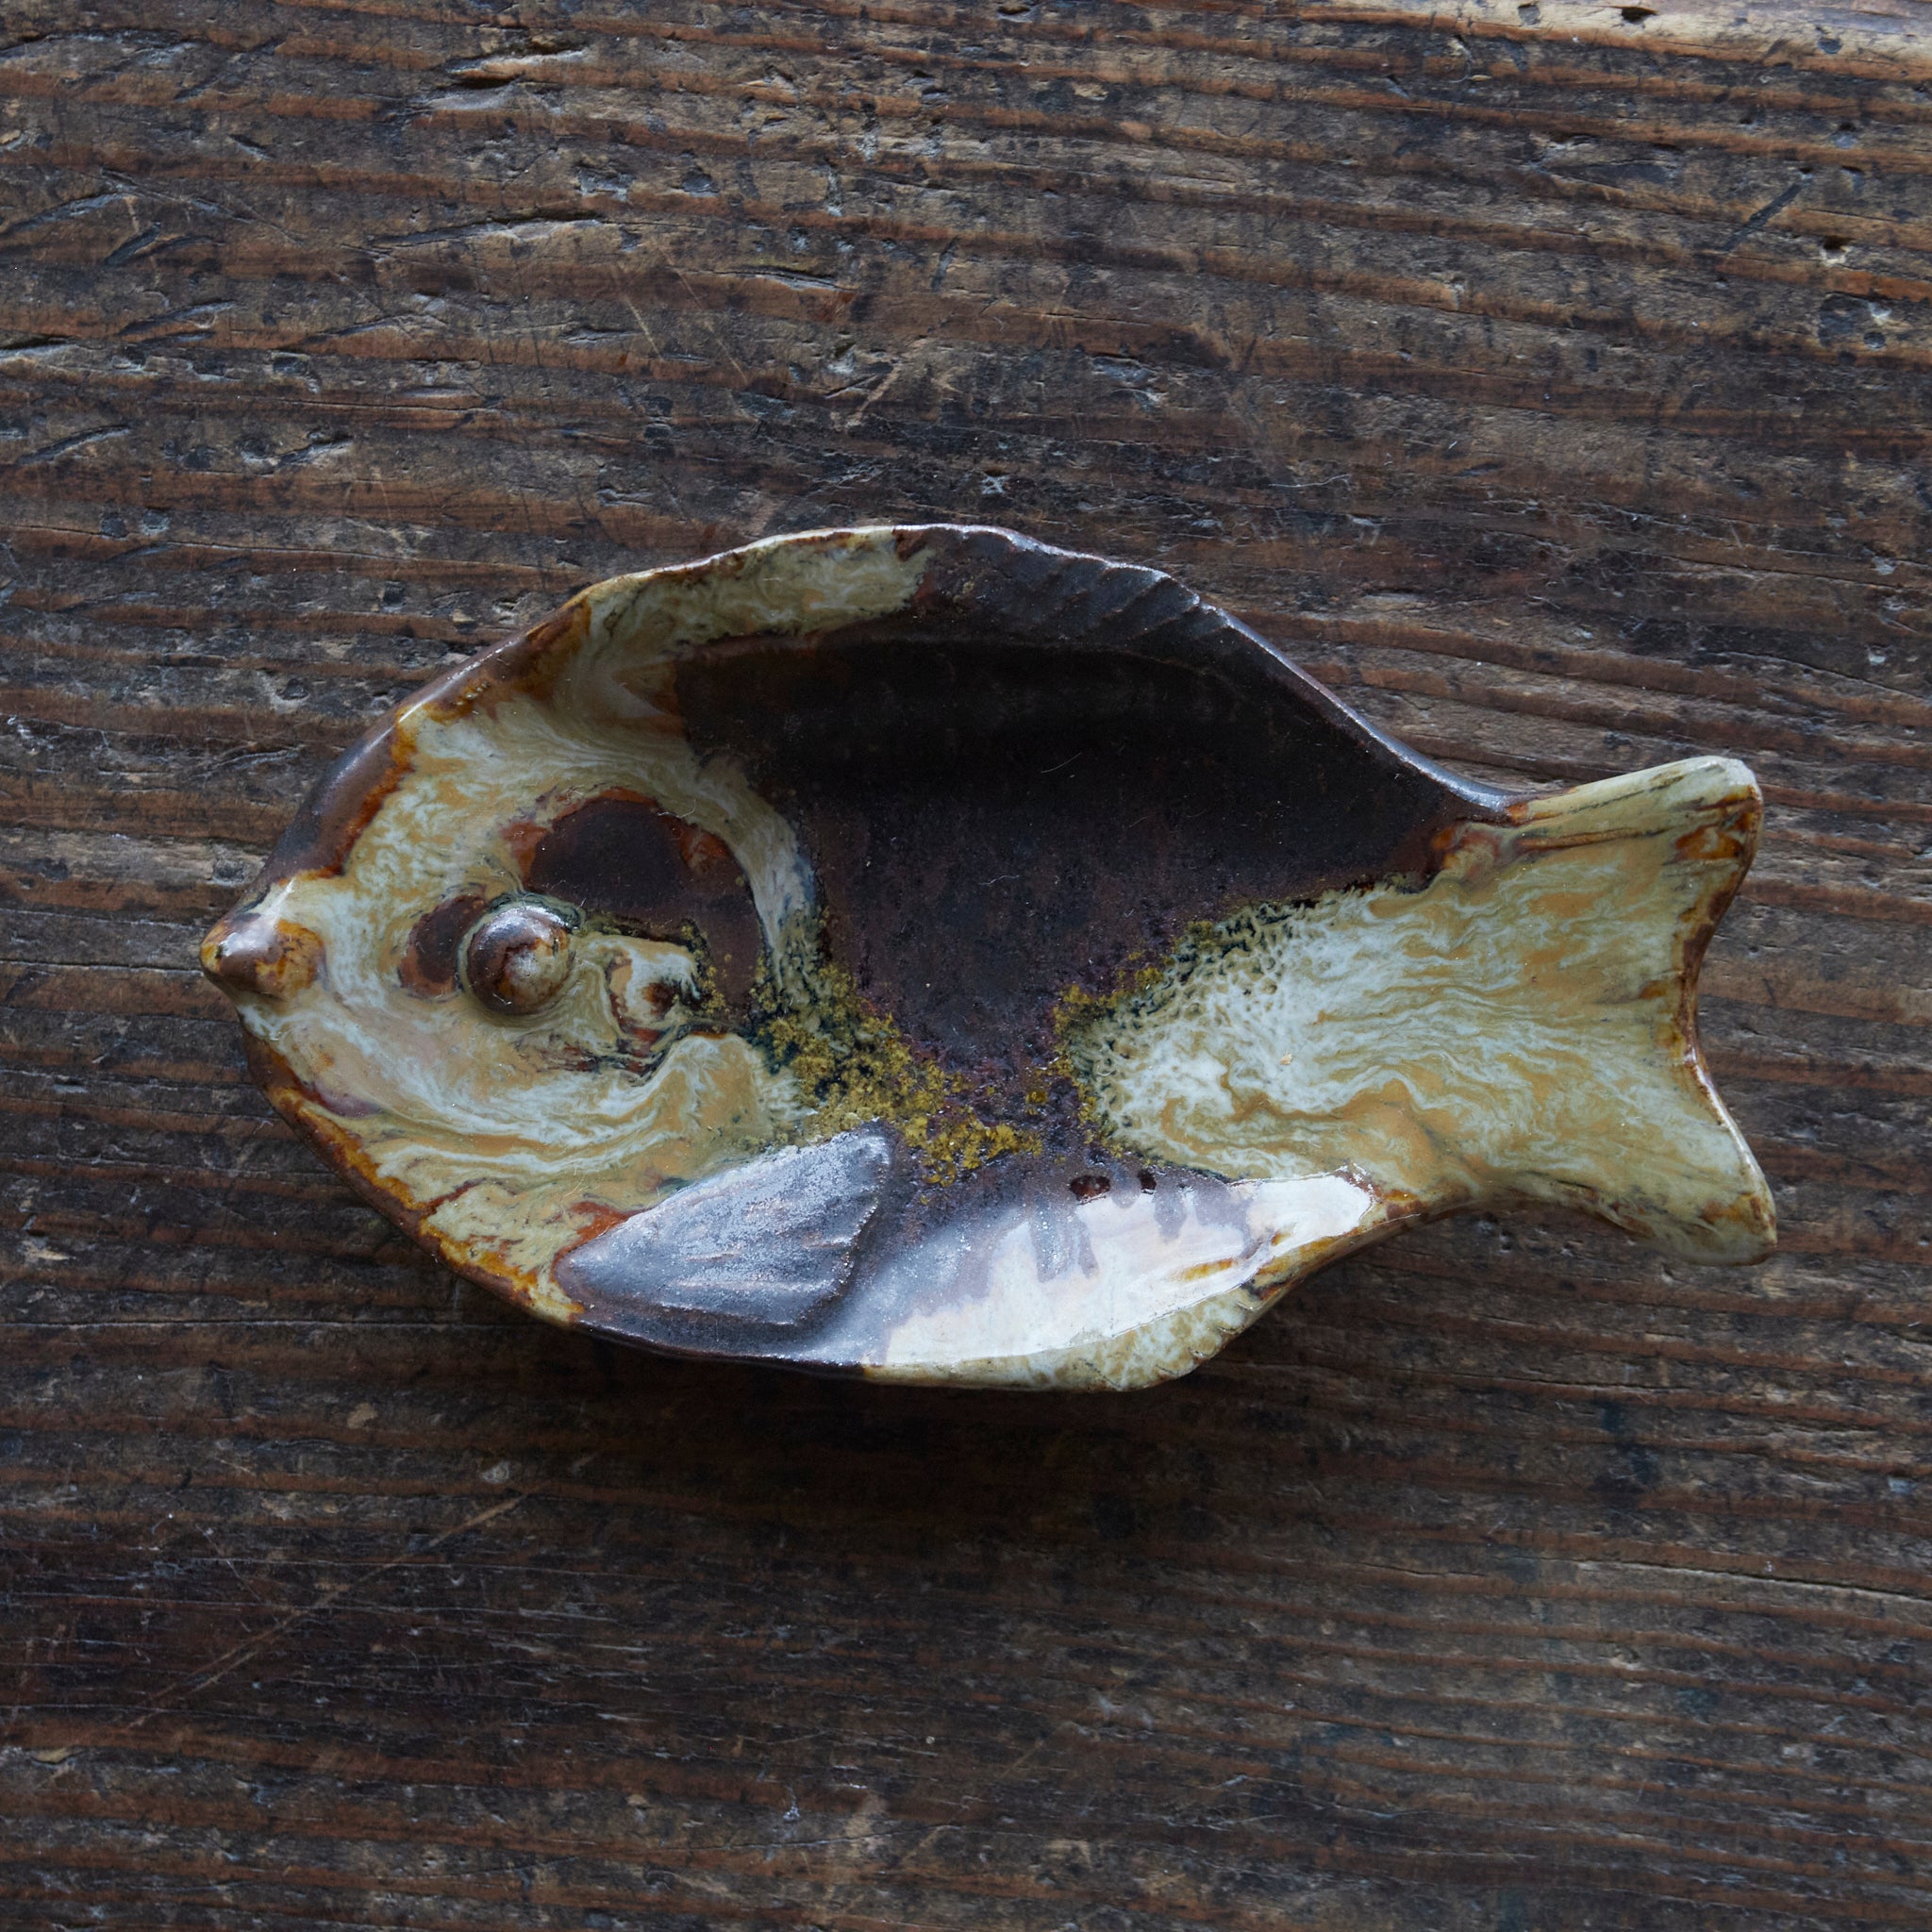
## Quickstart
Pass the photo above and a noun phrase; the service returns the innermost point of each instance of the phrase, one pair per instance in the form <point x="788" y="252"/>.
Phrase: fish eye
<point x="516" y="959"/>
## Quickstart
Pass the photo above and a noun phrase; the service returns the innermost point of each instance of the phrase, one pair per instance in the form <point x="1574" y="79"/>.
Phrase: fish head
<point x="502" y="967"/>
<point x="453" y="1029"/>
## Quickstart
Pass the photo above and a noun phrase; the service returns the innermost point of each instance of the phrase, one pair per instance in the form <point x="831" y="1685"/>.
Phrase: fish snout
<point x="257" y="953"/>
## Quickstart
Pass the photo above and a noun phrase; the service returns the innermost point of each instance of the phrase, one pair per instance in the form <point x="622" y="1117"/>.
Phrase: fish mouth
<point x="640" y="1053"/>
<point x="257" y="955"/>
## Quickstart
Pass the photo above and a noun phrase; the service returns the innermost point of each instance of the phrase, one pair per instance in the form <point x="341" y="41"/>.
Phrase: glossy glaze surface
<point x="925" y="953"/>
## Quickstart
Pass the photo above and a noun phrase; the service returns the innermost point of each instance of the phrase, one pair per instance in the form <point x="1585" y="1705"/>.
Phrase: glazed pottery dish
<point x="923" y="953"/>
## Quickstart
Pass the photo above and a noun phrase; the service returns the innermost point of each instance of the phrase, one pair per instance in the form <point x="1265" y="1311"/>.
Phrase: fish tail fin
<point x="1616" y="887"/>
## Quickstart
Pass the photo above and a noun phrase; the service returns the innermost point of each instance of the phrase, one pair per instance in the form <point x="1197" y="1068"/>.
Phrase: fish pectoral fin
<point x="1615" y="889"/>
<point x="765" y="1246"/>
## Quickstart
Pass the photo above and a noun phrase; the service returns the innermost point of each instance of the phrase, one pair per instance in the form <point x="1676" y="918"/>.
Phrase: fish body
<point x="924" y="953"/>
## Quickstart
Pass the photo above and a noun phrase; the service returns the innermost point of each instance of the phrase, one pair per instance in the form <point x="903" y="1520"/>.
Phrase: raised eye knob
<point x="517" y="957"/>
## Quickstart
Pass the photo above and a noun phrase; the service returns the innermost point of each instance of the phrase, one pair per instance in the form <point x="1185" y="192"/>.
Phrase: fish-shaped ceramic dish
<point x="924" y="953"/>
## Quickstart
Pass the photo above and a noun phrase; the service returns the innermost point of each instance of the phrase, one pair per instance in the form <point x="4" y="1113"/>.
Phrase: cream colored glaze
<point x="1519" y="1027"/>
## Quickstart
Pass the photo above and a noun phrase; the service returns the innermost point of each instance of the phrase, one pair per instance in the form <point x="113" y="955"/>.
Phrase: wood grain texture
<point x="1554" y="380"/>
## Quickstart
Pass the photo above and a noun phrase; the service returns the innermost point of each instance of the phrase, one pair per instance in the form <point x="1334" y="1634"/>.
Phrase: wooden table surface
<point x="1551" y="378"/>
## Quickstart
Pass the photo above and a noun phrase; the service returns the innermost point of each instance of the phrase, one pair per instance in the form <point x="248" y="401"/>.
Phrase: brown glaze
<point x="623" y="857"/>
<point x="429" y="965"/>
<point x="1012" y="821"/>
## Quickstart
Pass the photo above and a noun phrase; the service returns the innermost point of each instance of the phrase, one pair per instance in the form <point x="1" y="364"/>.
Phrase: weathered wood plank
<point x="1555" y="379"/>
